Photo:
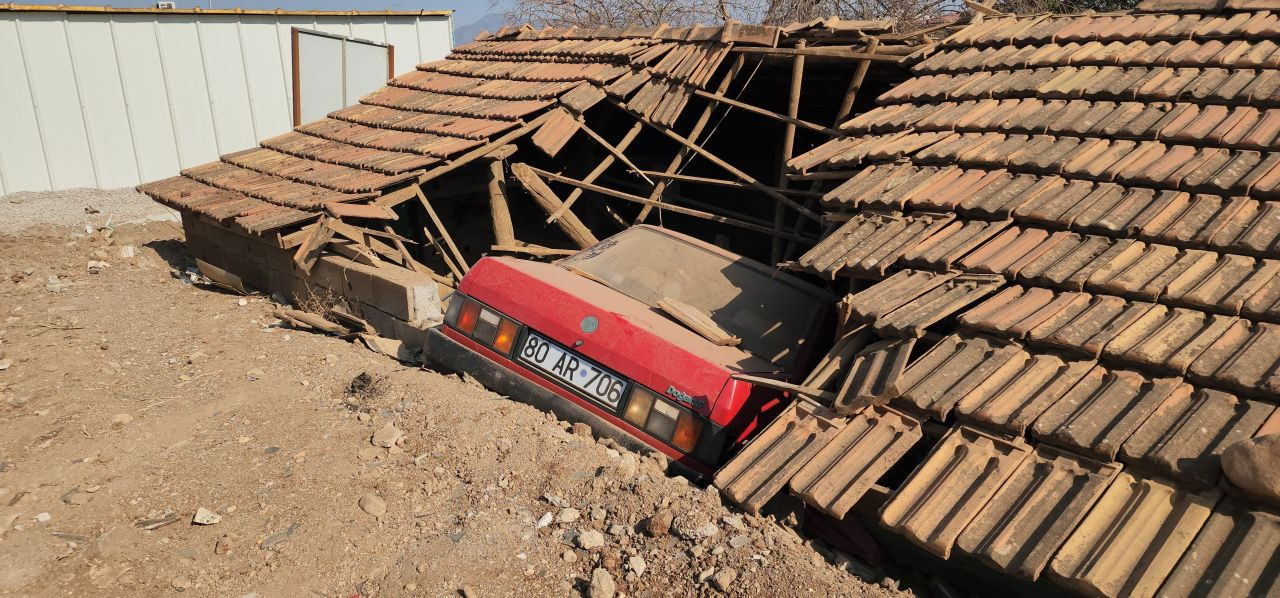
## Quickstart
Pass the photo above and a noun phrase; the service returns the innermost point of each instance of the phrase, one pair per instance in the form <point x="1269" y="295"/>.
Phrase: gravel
<point x="78" y="207"/>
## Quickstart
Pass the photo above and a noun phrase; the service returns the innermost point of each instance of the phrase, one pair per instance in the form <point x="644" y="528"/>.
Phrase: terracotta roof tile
<point x="765" y="465"/>
<point x="949" y="370"/>
<point x="944" y="494"/>
<point x="1132" y="538"/>
<point x="1244" y="358"/>
<point x="1103" y="409"/>
<point x="1184" y="439"/>
<point x="1021" y="527"/>
<point x="873" y="375"/>
<point x="857" y="456"/>
<point x="1235" y="554"/>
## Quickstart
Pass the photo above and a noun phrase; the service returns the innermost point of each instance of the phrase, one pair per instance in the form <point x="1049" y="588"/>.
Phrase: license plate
<point x="573" y="370"/>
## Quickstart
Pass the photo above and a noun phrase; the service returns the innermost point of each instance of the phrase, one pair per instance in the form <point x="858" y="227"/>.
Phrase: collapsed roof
<point x="1067" y="223"/>
<point x="417" y="141"/>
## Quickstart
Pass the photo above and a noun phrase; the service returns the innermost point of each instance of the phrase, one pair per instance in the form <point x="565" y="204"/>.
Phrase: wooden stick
<point x="855" y="84"/>
<point x="569" y="222"/>
<point x="444" y="255"/>
<point x="723" y="183"/>
<point x="788" y="146"/>
<point x="617" y="153"/>
<point x="694" y="134"/>
<point x="823" y="175"/>
<point x="731" y="169"/>
<point x="841" y="52"/>
<point x="790" y="120"/>
<point x="310" y="249"/>
<point x="780" y="385"/>
<point x="537" y="250"/>
<point x="504" y="232"/>
<point x="666" y="206"/>
<point x="596" y="172"/>
<point x="444" y="232"/>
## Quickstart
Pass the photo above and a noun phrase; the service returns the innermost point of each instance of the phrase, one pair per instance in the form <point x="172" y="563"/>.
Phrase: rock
<point x="628" y="466"/>
<point x="1254" y="466"/>
<point x="706" y="574"/>
<point x="734" y="522"/>
<point x="602" y="584"/>
<point x="254" y="374"/>
<point x="223" y="545"/>
<point x="739" y="541"/>
<point x="617" y="529"/>
<point x="693" y="527"/>
<point x="637" y="564"/>
<point x="121" y="419"/>
<point x="544" y="521"/>
<point x="5" y="364"/>
<point x="43" y="517"/>
<point x="373" y="504"/>
<point x="569" y="556"/>
<point x="582" y="429"/>
<point x="387" y="436"/>
<point x="96" y="266"/>
<point x="197" y="357"/>
<point x="659" y="524"/>
<point x="724" y="578"/>
<point x="590" y="539"/>
<point x="568" y="515"/>
<point x="180" y="583"/>
<point x="55" y="285"/>
<point x="242" y="302"/>
<point x="127" y="251"/>
<point x="204" y="516"/>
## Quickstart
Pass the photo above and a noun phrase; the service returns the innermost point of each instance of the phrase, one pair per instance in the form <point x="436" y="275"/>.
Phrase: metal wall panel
<point x="113" y="100"/>
<point x="320" y="75"/>
<point x="22" y="163"/>
<point x="98" y="79"/>
<point x="366" y="70"/>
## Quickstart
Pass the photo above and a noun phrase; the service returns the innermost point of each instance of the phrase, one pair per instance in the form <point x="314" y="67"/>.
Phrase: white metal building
<point x="112" y="97"/>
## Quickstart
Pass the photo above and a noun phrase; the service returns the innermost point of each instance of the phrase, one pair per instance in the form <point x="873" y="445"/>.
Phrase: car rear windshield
<point x="772" y="313"/>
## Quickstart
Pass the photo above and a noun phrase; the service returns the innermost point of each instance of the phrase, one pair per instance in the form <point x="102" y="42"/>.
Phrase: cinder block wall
<point x="397" y="302"/>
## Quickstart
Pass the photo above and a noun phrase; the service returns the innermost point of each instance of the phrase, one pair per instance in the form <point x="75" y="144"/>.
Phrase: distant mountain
<point x="464" y="34"/>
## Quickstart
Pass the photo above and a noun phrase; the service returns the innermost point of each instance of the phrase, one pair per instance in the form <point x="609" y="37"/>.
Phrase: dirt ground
<point x="132" y="403"/>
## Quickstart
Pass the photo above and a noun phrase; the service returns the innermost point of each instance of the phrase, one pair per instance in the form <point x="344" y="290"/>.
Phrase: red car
<point x="585" y="338"/>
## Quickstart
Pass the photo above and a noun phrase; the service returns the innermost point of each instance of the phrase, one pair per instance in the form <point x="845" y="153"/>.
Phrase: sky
<point x="465" y="11"/>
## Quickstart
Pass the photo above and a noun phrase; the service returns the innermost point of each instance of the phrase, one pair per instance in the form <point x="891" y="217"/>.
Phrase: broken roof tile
<point x="953" y="367"/>
<point x="873" y="375"/>
<point x="863" y="449"/>
<point x="1132" y="537"/>
<point x="1021" y="527"/>
<point x="871" y="242"/>
<point x="922" y="310"/>
<point x="944" y="494"/>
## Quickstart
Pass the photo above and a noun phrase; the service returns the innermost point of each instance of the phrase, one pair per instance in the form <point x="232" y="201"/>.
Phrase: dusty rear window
<point x="772" y="314"/>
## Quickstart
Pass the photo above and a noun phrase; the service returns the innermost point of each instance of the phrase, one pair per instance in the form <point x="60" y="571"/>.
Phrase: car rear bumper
<point x="446" y="354"/>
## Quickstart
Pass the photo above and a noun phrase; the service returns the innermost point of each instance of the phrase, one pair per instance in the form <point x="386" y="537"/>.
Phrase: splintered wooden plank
<point x="699" y="322"/>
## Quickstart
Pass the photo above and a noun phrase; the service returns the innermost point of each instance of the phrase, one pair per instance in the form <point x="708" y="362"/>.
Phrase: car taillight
<point x="661" y="419"/>
<point x="639" y="405"/>
<point x="482" y="324"/>
<point x="687" y="429"/>
<point x="507" y="331"/>
<point x="468" y="316"/>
